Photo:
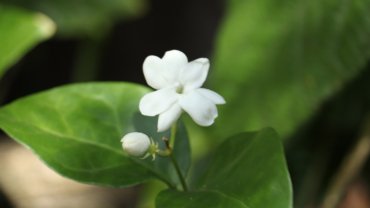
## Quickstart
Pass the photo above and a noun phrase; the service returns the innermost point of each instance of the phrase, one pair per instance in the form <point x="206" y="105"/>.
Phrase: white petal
<point x="173" y="62"/>
<point x="161" y="73"/>
<point x="167" y="118"/>
<point x="201" y="110"/>
<point x="157" y="102"/>
<point x="135" y="143"/>
<point x="194" y="74"/>
<point x="154" y="72"/>
<point x="175" y="58"/>
<point x="211" y="95"/>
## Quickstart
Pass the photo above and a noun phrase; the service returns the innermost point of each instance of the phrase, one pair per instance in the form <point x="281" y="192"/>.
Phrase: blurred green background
<point x="301" y="67"/>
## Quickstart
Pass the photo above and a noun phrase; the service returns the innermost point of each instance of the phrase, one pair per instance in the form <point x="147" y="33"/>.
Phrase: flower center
<point x="179" y="88"/>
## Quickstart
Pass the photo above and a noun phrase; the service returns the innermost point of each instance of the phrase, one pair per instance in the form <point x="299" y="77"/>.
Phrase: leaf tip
<point x="45" y="25"/>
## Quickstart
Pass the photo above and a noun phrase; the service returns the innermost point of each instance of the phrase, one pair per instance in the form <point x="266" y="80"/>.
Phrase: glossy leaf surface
<point x="77" y="129"/>
<point x="247" y="170"/>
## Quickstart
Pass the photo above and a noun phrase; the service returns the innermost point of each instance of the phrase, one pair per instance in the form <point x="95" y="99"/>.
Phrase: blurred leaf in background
<point x="276" y="61"/>
<point x="20" y="30"/>
<point x="318" y="148"/>
<point x="90" y="21"/>
<point x="90" y="18"/>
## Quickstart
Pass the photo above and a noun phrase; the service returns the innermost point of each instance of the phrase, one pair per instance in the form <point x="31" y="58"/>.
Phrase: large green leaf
<point x="83" y="17"/>
<point x="276" y="61"/>
<point x="196" y="199"/>
<point x="77" y="129"/>
<point x="248" y="170"/>
<point x="20" y="30"/>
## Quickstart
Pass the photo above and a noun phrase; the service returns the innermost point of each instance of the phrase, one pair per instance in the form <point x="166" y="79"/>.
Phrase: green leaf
<point x="276" y="62"/>
<point x="248" y="170"/>
<point x="84" y="17"/>
<point x="77" y="129"/>
<point x="20" y="30"/>
<point x="196" y="199"/>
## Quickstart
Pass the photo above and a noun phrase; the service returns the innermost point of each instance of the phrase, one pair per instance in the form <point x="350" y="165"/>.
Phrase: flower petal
<point x="201" y="110"/>
<point x="173" y="62"/>
<point x="168" y="117"/>
<point x="194" y="74"/>
<point x="154" y="72"/>
<point x="175" y="58"/>
<point x="211" y="95"/>
<point x="161" y="73"/>
<point x="157" y="102"/>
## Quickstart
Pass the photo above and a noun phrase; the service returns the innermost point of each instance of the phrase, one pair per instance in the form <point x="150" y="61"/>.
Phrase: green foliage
<point x="247" y="170"/>
<point x="20" y="30"/>
<point x="83" y="17"/>
<point x="276" y="61"/>
<point x="77" y="129"/>
<point x="161" y="164"/>
<point x="196" y="199"/>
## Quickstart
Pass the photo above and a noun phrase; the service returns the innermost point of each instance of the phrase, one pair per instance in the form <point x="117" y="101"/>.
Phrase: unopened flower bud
<point x="136" y="143"/>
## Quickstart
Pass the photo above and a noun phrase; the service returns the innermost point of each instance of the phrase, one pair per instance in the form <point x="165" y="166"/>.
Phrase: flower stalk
<point x="173" y="159"/>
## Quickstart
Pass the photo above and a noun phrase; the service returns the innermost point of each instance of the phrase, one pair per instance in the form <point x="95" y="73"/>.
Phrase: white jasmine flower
<point x="136" y="143"/>
<point x="178" y="84"/>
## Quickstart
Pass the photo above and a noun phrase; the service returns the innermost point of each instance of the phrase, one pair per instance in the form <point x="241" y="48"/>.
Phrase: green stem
<point x="174" y="161"/>
<point x="87" y="60"/>
<point x="173" y="134"/>
<point x="182" y="179"/>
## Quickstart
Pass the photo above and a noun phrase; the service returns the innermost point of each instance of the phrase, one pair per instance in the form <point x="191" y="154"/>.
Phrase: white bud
<point x="135" y="143"/>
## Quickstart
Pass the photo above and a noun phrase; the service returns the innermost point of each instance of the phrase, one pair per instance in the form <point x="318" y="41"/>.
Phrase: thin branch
<point x="174" y="161"/>
<point x="349" y="169"/>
